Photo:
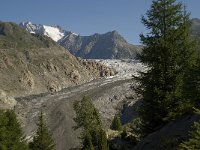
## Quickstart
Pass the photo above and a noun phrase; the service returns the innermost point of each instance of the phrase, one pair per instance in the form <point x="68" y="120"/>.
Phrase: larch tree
<point x="11" y="135"/>
<point x="88" y="119"/>
<point x="42" y="140"/>
<point x="169" y="53"/>
<point x="116" y="123"/>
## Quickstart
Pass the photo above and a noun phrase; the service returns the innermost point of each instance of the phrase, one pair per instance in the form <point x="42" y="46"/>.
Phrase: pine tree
<point x="2" y="147"/>
<point x="169" y="53"/>
<point x="103" y="142"/>
<point x="42" y="140"/>
<point x="116" y="123"/>
<point x="87" y="142"/>
<point x="192" y="80"/>
<point x="11" y="136"/>
<point x="194" y="141"/>
<point x="87" y="118"/>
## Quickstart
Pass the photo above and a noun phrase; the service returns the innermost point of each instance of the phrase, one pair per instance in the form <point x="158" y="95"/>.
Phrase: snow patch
<point x="53" y="33"/>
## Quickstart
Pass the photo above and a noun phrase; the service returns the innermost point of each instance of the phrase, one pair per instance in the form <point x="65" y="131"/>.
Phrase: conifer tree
<point x="194" y="141"/>
<point x="87" y="142"/>
<point x="192" y="80"/>
<point x="42" y="140"/>
<point x="87" y="118"/>
<point x="116" y="123"/>
<point x="169" y="53"/>
<point x="11" y="136"/>
<point x="103" y="142"/>
<point x="2" y="147"/>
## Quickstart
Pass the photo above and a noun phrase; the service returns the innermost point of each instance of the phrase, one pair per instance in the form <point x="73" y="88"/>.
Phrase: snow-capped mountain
<point x="110" y="45"/>
<point x="54" y="32"/>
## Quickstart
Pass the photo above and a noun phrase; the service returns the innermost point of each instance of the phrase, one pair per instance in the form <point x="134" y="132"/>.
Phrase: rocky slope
<point x="169" y="136"/>
<point x="110" y="45"/>
<point x="110" y="95"/>
<point x="32" y="64"/>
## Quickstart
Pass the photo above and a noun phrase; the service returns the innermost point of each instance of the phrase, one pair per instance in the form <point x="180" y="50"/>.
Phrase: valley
<point x="45" y="69"/>
<point x="109" y="95"/>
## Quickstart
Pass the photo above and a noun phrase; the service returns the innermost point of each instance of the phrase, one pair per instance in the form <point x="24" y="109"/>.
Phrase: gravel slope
<point x="109" y="96"/>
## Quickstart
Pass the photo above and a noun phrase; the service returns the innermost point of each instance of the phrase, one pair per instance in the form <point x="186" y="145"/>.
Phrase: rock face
<point x="98" y="67"/>
<point x="110" y="45"/>
<point x="33" y="64"/>
<point x="6" y="102"/>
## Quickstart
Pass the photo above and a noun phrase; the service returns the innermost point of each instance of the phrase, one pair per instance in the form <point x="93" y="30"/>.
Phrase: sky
<point x="86" y="17"/>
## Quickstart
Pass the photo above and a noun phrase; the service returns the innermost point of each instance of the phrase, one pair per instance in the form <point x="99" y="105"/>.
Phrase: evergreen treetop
<point x="103" y="143"/>
<point x="42" y="140"/>
<point x="169" y="52"/>
<point x="87" y="142"/>
<point x="116" y="123"/>
<point x="11" y="136"/>
<point x="87" y="116"/>
<point x="88" y="119"/>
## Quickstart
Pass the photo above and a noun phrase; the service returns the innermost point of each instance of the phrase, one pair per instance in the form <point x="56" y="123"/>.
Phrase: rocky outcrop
<point x="53" y="86"/>
<point x="6" y="102"/>
<point x="27" y="79"/>
<point x="95" y="66"/>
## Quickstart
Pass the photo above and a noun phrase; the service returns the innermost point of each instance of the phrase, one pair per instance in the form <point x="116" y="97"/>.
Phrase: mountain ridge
<point x="110" y="45"/>
<point x="33" y="64"/>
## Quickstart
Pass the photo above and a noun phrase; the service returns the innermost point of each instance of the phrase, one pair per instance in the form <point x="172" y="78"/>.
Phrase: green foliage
<point x="116" y="123"/>
<point x="134" y="128"/>
<point x="88" y="118"/>
<point x="42" y="140"/>
<point x="11" y="136"/>
<point x="167" y="143"/>
<point x="192" y="84"/>
<point x="103" y="143"/>
<point x="170" y="53"/>
<point x="194" y="142"/>
<point x="87" y="143"/>
<point x="2" y="147"/>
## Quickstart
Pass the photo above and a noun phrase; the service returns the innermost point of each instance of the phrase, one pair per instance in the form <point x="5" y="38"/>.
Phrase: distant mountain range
<point x="195" y="27"/>
<point x="110" y="45"/>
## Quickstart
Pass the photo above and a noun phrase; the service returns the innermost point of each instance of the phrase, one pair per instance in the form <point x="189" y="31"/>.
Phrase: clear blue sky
<point x="86" y="17"/>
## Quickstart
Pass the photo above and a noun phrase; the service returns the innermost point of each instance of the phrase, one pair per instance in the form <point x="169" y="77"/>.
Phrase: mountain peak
<point x="54" y="32"/>
<point x="114" y="32"/>
<point x="102" y="46"/>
